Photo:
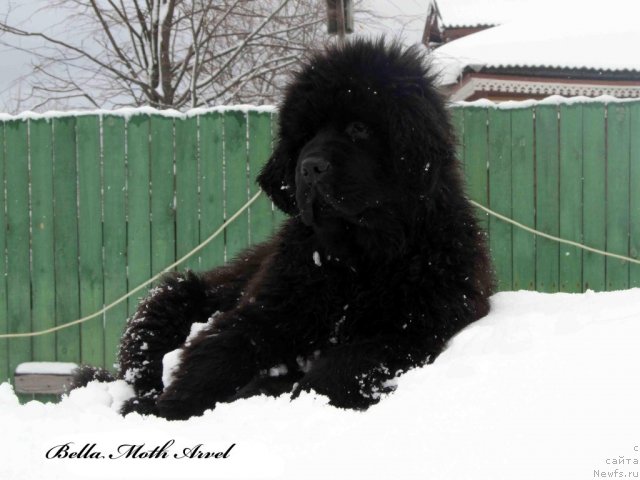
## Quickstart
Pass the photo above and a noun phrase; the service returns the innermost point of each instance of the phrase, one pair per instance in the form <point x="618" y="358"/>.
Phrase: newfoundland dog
<point x="378" y="265"/>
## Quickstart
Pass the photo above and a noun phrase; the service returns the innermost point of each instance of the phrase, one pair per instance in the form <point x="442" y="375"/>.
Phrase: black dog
<point x="380" y="263"/>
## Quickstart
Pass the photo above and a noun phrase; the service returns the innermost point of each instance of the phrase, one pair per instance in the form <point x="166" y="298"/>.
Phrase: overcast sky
<point x="27" y="15"/>
<point x="401" y="17"/>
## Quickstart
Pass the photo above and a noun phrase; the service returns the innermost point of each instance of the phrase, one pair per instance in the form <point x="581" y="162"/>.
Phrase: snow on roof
<point x="469" y="13"/>
<point x="595" y="40"/>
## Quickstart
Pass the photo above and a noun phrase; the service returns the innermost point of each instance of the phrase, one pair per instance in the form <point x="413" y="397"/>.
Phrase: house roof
<point x="471" y="13"/>
<point x="598" y="40"/>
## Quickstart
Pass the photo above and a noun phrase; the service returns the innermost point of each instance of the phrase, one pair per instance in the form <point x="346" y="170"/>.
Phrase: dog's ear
<point x="277" y="180"/>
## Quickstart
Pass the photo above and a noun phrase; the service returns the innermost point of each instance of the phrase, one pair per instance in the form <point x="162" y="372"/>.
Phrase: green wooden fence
<point x="93" y="205"/>
<point x="570" y="170"/>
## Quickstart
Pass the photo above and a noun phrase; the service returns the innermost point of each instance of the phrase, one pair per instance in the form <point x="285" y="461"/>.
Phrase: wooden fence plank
<point x="523" y="198"/>
<point x="476" y="159"/>
<point x="5" y="374"/>
<point x="594" y="196"/>
<point x="187" y="197"/>
<point x="236" y="181"/>
<point x="571" y="197"/>
<point x="500" y="184"/>
<point x="457" y="122"/>
<point x="90" y="237"/>
<point x="547" y="197"/>
<point x="42" y="238"/>
<point x="18" y="289"/>
<point x="261" y="218"/>
<point x="138" y="205"/>
<point x="618" y="143"/>
<point x="212" y="187"/>
<point x="163" y="213"/>
<point x="65" y="214"/>
<point x="634" y="191"/>
<point x="114" y="233"/>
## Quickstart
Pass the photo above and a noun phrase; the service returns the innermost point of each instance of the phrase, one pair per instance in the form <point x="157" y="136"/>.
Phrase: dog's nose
<point x="314" y="168"/>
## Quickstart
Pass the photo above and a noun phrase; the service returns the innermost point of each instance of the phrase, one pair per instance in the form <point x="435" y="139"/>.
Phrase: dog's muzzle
<point x="314" y="169"/>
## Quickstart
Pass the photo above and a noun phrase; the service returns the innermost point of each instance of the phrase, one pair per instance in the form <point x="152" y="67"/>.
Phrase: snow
<point x="545" y="386"/>
<point x="278" y="370"/>
<point x="46" y="368"/>
<point x="97" y="395"/>
<point x="468" y="13"/>
<point x="197" y="327"/>
<point x="171" y="360"/>
<point x="170" y="363"/>
<point x="601" y="39"/>
<point x="550" y="100"/>
<point x="128" y="112"/>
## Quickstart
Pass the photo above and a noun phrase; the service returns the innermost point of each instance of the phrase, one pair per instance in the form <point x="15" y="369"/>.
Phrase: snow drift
<point x="546" y="386"/>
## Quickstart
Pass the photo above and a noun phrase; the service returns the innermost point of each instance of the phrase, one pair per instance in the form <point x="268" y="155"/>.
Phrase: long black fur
<point x="379" y="264"/>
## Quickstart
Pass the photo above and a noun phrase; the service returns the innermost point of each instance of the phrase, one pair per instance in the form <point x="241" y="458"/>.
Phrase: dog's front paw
<point x="373" y="384"/>
<point x="175" y="406"/>
<point x="143" y="406"/>
<point x="357" y="392"/>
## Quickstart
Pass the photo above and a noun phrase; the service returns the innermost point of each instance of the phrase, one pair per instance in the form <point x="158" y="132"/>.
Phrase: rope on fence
<point x="551" y="237"/>
<point x="142" y="285"/>
<point x="237" y="214"/>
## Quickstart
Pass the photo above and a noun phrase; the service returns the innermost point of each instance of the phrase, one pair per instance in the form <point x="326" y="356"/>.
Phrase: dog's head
<point x="339" y="173"/>
<point x="363" y="136"/>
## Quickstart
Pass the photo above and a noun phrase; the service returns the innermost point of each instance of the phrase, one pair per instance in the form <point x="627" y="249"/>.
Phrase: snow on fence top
<point x="128" y="112"/>
<point x="551" y="100"/>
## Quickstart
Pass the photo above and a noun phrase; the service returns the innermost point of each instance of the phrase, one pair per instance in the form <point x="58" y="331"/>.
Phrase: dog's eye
<point x="357" y="131"/>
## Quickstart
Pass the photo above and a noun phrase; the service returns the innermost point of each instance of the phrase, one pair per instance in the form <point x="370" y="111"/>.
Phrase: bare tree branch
<point x="24" y="33"/>
<point x="165" y="53"/>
